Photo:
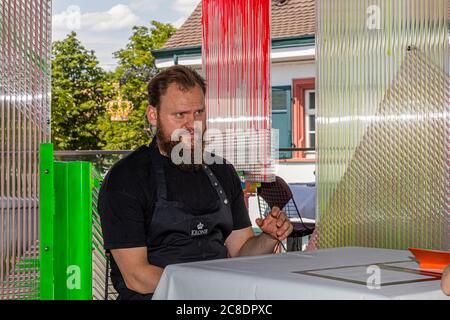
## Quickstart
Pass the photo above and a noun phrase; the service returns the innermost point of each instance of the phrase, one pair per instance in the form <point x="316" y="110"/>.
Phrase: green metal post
<point x="73" y="231"/>
<point x="66" y="228"/>
<point x="47" y="213"/>
<point x="61" y="229"/>
<point x="80" y="229"/>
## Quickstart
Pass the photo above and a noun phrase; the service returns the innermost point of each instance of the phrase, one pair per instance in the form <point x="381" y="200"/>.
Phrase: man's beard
<point x="166" y="146"/>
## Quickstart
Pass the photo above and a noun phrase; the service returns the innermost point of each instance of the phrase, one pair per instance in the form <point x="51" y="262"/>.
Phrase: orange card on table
<point x="431" y="259"/>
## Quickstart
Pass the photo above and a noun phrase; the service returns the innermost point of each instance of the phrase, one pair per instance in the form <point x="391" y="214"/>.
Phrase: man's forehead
<point x="178" y="89"/>
<point x="192" y="98"/>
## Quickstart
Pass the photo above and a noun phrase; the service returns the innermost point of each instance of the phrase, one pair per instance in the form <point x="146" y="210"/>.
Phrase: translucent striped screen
<point x="236" y="62"/>
<point x="102" y="287"/>
<point x="25" y="41"/>
<point x="383" y="123"/>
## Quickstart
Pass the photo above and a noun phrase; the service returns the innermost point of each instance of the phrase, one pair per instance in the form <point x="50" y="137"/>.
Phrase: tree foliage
<point x="136" y="66"/>
<point x="81" y="91"/>
<point x="78" y="97"/>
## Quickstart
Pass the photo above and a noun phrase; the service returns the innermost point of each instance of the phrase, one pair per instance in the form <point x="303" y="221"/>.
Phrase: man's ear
<point x="152" y="115"/>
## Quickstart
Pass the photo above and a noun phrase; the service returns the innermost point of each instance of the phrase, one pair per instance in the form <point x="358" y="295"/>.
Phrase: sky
<point x="106" y="25"/>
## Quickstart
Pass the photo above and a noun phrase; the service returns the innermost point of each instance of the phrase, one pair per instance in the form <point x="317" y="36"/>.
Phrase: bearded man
<point x="156" y="211"/>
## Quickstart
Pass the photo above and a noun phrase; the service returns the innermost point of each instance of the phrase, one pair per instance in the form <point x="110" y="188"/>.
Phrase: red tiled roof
<point x="290" y="18"/>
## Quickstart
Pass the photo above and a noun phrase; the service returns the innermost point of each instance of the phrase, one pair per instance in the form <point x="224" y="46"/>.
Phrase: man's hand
<point x="276" y="224"/>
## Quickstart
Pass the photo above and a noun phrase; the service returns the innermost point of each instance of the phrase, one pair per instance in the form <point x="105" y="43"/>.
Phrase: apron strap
<point x="217" y="186"/>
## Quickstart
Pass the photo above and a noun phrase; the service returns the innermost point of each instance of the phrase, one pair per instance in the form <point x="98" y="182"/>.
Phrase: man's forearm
<point x="145" y="279"/>
<point x="257" y="245"/>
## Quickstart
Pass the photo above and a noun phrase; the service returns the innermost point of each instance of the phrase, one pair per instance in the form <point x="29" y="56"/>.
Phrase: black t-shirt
<point x="128" y="195"/>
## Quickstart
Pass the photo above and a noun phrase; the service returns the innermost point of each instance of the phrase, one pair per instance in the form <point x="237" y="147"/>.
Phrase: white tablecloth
<point x="277" y="277"/>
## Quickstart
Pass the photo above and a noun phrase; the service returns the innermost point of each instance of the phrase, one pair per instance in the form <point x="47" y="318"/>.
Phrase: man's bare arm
<point x="244" y="243"/>
<point x="276" y="227"/>
<point x="138" y="274"/>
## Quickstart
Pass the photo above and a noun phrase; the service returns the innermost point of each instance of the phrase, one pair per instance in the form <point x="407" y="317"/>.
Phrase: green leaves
<point x="81" y="90"/>
<point x="136" y="68"/>
<point x="77" y="99"/>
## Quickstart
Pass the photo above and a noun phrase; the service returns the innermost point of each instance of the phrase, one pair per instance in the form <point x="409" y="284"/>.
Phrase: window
<point x="281" y="118"/>
<point x="280" y="97"/>
<point x="304" y="118"/>
<point x="310" y="119"/>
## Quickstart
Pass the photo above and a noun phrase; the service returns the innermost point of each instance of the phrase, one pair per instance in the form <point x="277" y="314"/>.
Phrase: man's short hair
<point x="184" y="77"/>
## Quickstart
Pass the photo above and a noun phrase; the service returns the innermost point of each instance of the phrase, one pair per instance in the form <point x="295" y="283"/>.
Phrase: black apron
<point x="177" y="234"/>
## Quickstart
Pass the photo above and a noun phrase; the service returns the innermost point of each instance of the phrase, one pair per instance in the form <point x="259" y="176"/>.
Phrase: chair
<point x="278" y="193"/>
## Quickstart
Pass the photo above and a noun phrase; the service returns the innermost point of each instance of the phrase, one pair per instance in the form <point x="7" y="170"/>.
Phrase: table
<point x="339" y="273"/>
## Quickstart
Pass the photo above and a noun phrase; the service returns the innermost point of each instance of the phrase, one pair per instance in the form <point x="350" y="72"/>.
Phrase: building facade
<point x="292" y="76"/>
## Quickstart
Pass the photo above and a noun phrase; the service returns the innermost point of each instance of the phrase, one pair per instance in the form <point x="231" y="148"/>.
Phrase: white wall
<point x="297" y="172"/>
<point x="282" y="73"/>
